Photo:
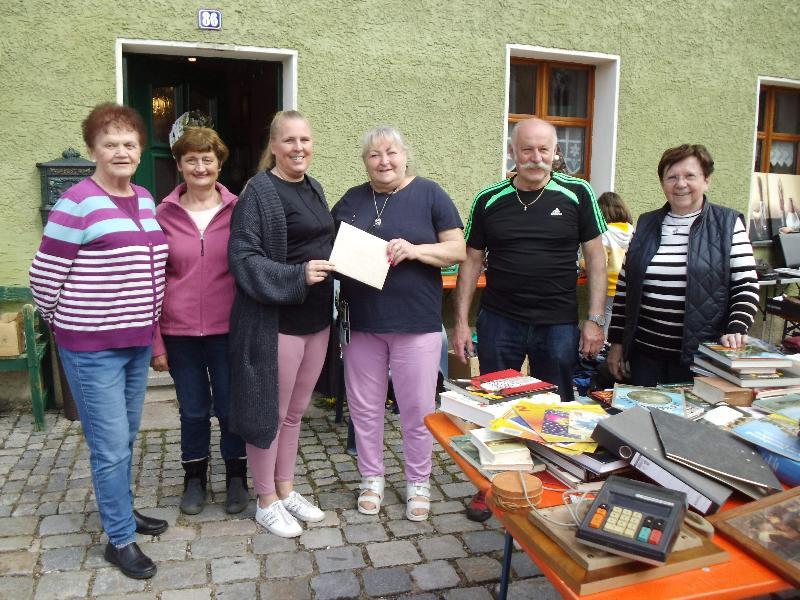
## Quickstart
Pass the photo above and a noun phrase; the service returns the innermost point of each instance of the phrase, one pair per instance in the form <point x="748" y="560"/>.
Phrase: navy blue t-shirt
<point x="411" y="299"/>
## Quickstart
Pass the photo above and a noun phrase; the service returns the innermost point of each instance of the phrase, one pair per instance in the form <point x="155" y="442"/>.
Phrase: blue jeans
<point x="199" y="367"/>
<point x="552" y="350"/>
<point x="108" y="387"/>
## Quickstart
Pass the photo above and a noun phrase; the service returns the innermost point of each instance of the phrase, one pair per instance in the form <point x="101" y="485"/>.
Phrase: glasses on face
<point x="675" y="179"/>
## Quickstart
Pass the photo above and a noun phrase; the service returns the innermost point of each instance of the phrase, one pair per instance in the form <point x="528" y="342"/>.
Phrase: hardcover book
<point x="716" y="389"/>
<point x="511" y="382"/>
<point x="496" y="448"/>
<point x="772" y="378"/>
<point x="755" y="353"/>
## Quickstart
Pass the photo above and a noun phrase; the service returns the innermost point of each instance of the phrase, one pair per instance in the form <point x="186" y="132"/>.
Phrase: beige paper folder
<point x="360" y="255"/>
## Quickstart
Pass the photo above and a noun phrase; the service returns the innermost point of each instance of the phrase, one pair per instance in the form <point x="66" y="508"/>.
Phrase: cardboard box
<point x="11" y="341"/>
<point x="458" y="370"/>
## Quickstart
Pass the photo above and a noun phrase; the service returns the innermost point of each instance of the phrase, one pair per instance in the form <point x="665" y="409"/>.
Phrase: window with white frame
<point x="778" y="135"/>
<point x="575" y="91"/>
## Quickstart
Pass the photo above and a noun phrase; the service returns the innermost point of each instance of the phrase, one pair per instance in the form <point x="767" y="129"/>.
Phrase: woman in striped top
<point x="98" y="280"/>
<point x="688" y="277"/>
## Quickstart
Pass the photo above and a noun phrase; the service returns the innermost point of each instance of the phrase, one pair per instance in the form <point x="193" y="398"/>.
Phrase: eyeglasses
<point x="675" y="179"/>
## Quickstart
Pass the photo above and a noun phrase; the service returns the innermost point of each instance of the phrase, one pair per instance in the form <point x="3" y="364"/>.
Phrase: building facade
<point x="622" y="81"/>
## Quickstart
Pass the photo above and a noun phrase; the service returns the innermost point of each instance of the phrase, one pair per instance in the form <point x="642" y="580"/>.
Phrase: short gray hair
<point x="383" y="132"/>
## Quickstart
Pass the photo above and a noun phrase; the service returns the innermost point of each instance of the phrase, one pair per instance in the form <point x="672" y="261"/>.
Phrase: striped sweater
<point x="660" y="326"/>
<point x="98" y="276"/>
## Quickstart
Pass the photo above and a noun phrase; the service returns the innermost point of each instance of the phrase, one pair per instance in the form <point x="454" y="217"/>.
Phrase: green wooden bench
<point x="36" y="358"/>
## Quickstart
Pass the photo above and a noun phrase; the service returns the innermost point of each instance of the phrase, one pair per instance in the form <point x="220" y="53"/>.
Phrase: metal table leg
<point x="508" y="548"/>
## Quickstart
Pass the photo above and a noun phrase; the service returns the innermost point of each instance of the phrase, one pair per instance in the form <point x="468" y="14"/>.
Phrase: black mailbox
<point x="60" y="174"/>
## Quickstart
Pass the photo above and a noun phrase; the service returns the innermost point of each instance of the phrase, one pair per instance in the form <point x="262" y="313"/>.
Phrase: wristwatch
<point x="599" y="319"/>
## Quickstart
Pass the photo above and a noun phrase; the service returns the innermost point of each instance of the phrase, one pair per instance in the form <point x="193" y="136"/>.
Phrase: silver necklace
<point x="377" y="222"/>
<point x="532" y="202"/>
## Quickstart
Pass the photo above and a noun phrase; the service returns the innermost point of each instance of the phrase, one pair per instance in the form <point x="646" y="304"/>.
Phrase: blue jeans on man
<point x="552" y="350"/>
<point x="199" y="367"/>
<point x="109" y="387"/>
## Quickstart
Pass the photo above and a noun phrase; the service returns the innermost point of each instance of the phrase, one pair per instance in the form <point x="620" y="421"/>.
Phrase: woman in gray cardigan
<point x="281" y="237"/>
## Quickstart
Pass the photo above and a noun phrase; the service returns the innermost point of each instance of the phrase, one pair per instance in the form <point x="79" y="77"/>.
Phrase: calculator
<point x="634" y="519"/>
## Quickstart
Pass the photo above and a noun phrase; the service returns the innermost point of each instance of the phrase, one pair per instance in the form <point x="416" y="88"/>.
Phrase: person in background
<point x="532" y="225"/>
<point x="281" y="238"/>
<point x="98" y="280"/>
<point x="615" y="242"/>
<point x="400" y="326"/>
<point x="688" y="277"/>
<point x="193" y="340"/>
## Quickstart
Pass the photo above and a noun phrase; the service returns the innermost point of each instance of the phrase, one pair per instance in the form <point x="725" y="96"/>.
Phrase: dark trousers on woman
<point x="199" y="367"/>
<point x="652" y="369"/>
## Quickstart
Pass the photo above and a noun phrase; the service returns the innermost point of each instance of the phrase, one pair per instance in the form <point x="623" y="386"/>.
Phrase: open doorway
<point x="240" y="96"/>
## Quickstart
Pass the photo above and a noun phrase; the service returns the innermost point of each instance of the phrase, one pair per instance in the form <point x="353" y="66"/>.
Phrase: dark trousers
<point x="652" y="369"/>
<point x="552" y="350"/>
<point x="199" y="367"/>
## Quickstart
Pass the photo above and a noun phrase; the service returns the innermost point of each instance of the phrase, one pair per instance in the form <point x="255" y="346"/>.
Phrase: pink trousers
<point x="414" y="361"/>
<point x="300" y="359"/>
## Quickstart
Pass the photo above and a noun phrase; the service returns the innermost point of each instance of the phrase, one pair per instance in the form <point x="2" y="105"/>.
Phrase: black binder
<point x="631" y="435"/>
<point x="717" y="453"/>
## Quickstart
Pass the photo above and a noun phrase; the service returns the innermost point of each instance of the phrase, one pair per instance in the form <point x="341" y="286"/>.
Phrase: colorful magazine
<point x="776" y="433"/>
<point x="628" y="396"/>
<point x="788" y="405"/>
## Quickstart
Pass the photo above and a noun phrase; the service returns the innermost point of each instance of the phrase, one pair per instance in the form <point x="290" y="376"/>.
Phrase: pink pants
<point x="300" y="359"/>
<point x="414" y="361"/>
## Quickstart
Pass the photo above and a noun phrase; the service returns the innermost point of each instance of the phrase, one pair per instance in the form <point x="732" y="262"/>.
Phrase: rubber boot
<point x="237" y="495"/>
<point x="195" y="479"/>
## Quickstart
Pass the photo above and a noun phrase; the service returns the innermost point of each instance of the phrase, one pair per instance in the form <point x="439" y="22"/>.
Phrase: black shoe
<point x="194" y="497"/>
<point x="149" y="525"/>
<point x="130" y="560"/>
<point x="195" y="480"/>
<point x="237" y="497"/>
<point x="477" y="509"/>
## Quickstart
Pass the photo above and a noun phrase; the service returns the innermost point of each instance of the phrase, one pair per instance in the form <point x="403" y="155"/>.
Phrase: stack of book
<point x="489" y="462"/>
<point x="482" y="399"/>
<point x="732" y="374"/>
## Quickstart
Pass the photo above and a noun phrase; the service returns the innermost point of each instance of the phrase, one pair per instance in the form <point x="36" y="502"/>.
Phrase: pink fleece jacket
<point x="200" y="288"/>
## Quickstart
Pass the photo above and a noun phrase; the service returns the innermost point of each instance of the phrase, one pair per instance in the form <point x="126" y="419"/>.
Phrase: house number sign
<point x="209" y="18"/>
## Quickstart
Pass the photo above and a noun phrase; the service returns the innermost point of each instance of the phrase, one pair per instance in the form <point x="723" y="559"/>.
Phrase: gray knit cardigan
<point x="264" y="282"/>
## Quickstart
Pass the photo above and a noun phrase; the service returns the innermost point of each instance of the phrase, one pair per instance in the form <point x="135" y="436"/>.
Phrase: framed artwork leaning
<point x="769" y="529"/>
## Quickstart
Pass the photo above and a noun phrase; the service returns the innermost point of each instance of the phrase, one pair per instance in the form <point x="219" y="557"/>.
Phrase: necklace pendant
<point x="377" y="222"/>
<point x="525" y="207"/>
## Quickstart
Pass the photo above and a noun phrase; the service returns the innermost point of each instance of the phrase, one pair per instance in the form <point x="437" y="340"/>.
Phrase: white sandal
<point x="371" y="492"/>
<point x="418" y="496"/>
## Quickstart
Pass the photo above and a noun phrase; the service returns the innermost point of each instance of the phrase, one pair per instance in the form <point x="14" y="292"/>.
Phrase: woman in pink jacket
<point x="193" y="340"/>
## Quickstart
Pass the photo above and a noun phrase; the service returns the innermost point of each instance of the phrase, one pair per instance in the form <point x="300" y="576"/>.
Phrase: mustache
<point x="535" y="165"/>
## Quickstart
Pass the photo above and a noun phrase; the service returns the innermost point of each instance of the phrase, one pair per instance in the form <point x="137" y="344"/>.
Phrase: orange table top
<point x="449" y="281"/>
<point x="740" y="577"/>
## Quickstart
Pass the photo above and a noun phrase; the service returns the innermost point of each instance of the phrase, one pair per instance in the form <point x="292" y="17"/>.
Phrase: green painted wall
<point x="435" y="69"/>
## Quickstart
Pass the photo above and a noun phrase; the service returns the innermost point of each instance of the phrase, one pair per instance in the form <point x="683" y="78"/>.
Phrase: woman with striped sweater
<point x="688" y="277"/>
<point x="98" y="280"/>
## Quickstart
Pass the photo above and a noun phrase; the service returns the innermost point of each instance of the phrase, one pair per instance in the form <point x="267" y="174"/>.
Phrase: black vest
<point x="707" y="274"/>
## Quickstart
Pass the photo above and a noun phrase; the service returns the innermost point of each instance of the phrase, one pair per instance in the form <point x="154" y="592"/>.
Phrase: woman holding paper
<point x="281" y="237"/>
<point x="688" y="277"/>
<point x="399" y="326"/>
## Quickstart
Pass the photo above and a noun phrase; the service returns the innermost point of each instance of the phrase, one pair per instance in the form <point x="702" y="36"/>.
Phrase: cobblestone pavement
<point x="51" y="542"/>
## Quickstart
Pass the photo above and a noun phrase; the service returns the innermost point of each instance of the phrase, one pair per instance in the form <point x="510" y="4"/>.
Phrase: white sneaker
<point x="302" y="509"/>
<point x="277" y="520"/>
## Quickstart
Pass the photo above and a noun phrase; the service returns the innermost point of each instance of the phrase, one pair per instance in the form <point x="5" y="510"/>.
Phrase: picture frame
<point x="769" y="530"/>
